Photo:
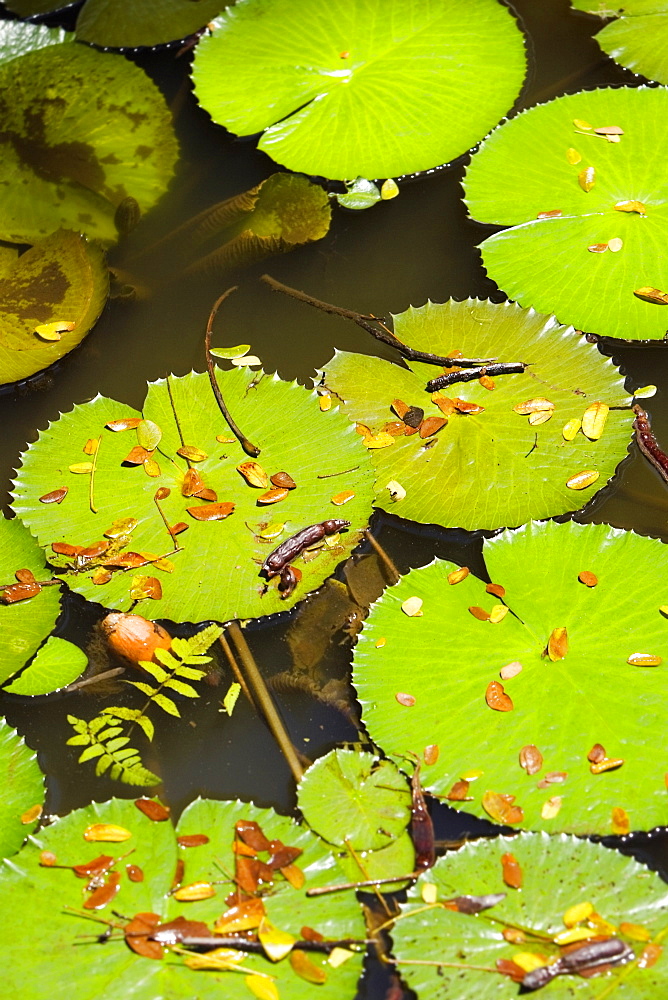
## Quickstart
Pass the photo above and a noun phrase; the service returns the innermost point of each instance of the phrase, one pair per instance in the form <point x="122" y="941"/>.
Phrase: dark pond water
<point x="417" y="247"/>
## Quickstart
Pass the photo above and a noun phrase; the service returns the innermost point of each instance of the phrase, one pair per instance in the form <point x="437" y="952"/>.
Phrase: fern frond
<point x="109" y="749"/>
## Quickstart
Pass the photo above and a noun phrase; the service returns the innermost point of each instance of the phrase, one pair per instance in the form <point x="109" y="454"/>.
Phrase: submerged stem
<point x="263" y="698"/>
<point x="250" y="448"/>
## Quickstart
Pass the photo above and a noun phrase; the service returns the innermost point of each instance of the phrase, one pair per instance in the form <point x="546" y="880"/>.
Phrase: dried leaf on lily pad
<point x="545" y="263"/>
<point x="62" y="275"/>
<point x="283" y="212"/>
<point x="341" y="97"/>
<point x="82" y="130"/>
<point x="638" y="36"/>
<point x="487" y="469"/>
<point x="558" y="874"/>
<point x="586" y="695"/>
<point x="215" y="564"/>
<point x="49" y="948"/>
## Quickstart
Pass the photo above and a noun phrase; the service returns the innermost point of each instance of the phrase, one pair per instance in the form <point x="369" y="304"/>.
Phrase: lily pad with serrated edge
<point x="25" y="624"/>
<point x="81" y="131"/>
<point x="18" y="39"/>
<point x="22" y="788"/>
<point x="45" y="950"/>
<point x="558" y="872"/>
<point x="491" y="469"/>
<point x="447" y="658"/>
<point x="378" y="89"/>
<point x="217" y="572"/>
<point x="522" y="170"/>
<point x="637" y="38"/>
<point x="129" y="23"/>
<point x="61" y="278"/>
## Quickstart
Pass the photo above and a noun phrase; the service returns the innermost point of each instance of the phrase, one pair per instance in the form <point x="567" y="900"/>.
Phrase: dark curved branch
<point x="250" y="448"/>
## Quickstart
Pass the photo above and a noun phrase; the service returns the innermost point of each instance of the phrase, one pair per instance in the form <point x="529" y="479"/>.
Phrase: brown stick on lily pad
<point x="250" y="448"/>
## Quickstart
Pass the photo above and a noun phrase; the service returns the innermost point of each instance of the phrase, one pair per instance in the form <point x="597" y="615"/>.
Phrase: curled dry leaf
<point x="496" y="697"/>
<point x="194" y="892"/>
<point x="191" y="453"/>
<point x="597" y="247"/>
<point x="479" y="613"/>
<point x="412" y="607"/>
<point x="496" y="589"/>
<point x="557" y="644"/>
<point x="211" y="511"/>
<point x="487" y="383"/>
<point x="596" y="754"/>
<point x="31" y="815"/>
<point x="649" y="956"/>
<point x="254" y="474"/>
<point x="551" y="807"/>
<point x="55" y="496"/>
<point x="536" y="405"/>
<point x="104" y="894"/>
<point x="531" y="759"/>
<point x="607" y="764"/>
<point x="304" y="967"/>
<point x="407" y="700"/>
<point x="645" y="660"/>
<point x="19" y="592"/>
<point x="145" y="587"/>
<point x="589" y="579"/>
<point x="581" y="480"/>
<point x="396" y="491"/>
<point x="510" y="670"/>
<point x="577" y="913"/>
<point x="432" y="425"/>
<point x="138" y="935"/>
<point x="587" y="178"/>
<point x="458" y="575"/>
<point x="125" y="424"/>
<point x="609" y="130"/>
<point x="134" y="873"/>
<point x="649" y="294"/>
<point x="501" y="808"/>
<point x="631" y="206"/>
<point x="463" y="406"/>
<point x="273" y="496"/>
<point x="431" y="754"/>
<point x="620" y="822"/>
<point x="54" y="331"/>
<point x="459" y="792"/>
<point x="125" y="525"/>
<point x="192" y="483"/>
<point x="283" y="481"/>
<point x="107" y="833"/>
<point x="594" y="420"/>
<point x="541" y="417"/>
<point x="343" y="497"/>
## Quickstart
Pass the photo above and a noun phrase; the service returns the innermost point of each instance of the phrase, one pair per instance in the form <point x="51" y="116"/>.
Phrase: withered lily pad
<point x="128" y="23"/>
<point x="60" y="284"/>
<point x="380" y="90"/>
<point x="607" y="241"/>
<point x="580" y="748"/>
<point x="80" y="131"/>
<point x="214" y="562"/>
<point x="496" y="467"/>
<point x="637" y="38"/>
<point x="558" y="873"/>
<point x="30" y="892"/>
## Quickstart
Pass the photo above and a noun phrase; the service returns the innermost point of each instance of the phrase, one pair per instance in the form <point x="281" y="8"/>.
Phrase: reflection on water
<point x="419" y="246"/>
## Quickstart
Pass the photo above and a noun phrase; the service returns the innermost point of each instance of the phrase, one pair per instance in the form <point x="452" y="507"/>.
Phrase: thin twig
<point x="504" y="368"/>
<point x="250" y="448"/>
<point x="325" y="890"/>
<point x="332" y="475"/>
<point x="238" y="676"/>
<point x="383" y="334"/>
<point x="393" y="573"/>
<point x="106" y="675"/>
<point x="91" y="484"/>
<point x="257" y="948"/>
<point x="176" y="416"/>
<point x="263" y="697"/>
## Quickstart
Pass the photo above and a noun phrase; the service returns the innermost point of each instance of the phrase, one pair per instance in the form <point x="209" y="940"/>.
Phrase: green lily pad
<point x="57" y="664"/>
<point x="61" y="278"/>
<point x="22" y="788"/>
<point x="355" y="798"/>
<point x="25" y="624"/>
<point x="281" y="213"/>
<point x="45" y="950"/>
<point x="19" y="39"/>
<point x="488" y="469"/>
<point x="522" y="170"/>
<point x="391" y="88"/>
<point x="216" y="568"/>
<point x="129" y="23"/>
<point x="558" y="872"/>
<point x="81" y="131"/>
<point x="447" y="658"/>
<point x="638" y="39"/>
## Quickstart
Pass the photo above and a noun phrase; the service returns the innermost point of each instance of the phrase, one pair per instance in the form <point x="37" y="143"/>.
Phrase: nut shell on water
<point x="132" y="637"/>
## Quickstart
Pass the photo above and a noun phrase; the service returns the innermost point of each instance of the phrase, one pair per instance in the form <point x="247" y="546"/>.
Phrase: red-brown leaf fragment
<point x="496" y="589"/>
<point x="134" y="873"/>
<point x="137" y="455"/>
<point x="479" y="613"/>
<point x="511" y="871"/>
<point x="251" y="833"/>
<point x="531" y="759"/>
<point x="154" y="810"/>
<point x="211" y="511"/>
<point x="459" y="792"/>
<point x="19" y="592"/>
<point x="509" y="968"/>
<point x="596" y="754"/>
<point x="192" y="840"/>
<point x="496" y="697"/>
<point x="649" y="956"/>
<point x="104" y="893"/>
<point x="137" y="934"/>
<point x="55" y="496"/>
<point x="125" y="424"/>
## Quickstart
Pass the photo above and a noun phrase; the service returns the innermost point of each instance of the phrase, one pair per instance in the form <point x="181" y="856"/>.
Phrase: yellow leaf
<point x="575" y="934"/>
<point x="429" y="892"/>
<point x="343" y="497"/>
<point x="53" y="331"/>
<point x="551" y="807"/>
<point x="262" y="987"/>
<point x="581" y="480"/>
<point x="533" y="406"/>
<point x="498" y="613"/>
<point x="338" y="956"/>
<point x="194" y="892"/>
<point x="249" y="360"/>
<point x="577" y="913"/>
<point x="325" y="402"/>
<point x="528" y="960"/>
<point x="230" y="699"/>
<point x="276" y="943"/>
<point x="227" y="959"/>
<point x="380" y="440"/>
<point x="412" y="607"/>
<point x="193" y="454"/>
<point x="594" y="420"/>
<point x="557" y="644"/>
<point x="306" y="969"/>
<point x="254" y="474"/>
<point x="107" y="832"/>
<point x="570" y="429"/>
<point x="80" y="468"/>
<point x="389" y="189"/>
<point x="645" y="660"/>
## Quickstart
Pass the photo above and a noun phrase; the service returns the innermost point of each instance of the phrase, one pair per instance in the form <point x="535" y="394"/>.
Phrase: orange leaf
<point x="306" y="969"/>
<point x="496" y="697"/>
<point x="273" y="496"/>
<point x="557" y="644"/>
<point x="211" y="511"/>
<point x="511" y="871"/>
<point x="107" y="832"/>
<point x="154" y="810"/>
<point x="501" y="809"/>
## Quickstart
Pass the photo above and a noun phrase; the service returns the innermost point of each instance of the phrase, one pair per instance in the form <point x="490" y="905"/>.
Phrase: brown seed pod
<point x="132" y="637"/>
